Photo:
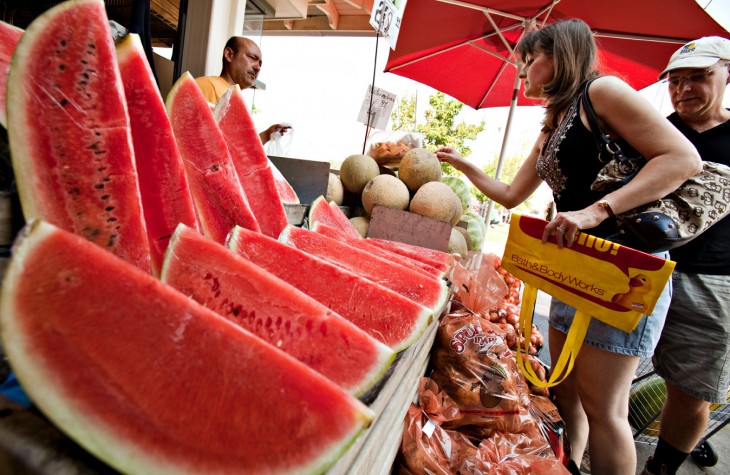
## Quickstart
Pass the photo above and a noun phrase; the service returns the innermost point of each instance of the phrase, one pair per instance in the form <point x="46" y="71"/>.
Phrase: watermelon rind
<point x="460" y="188"/>
<point x="9" y="37"/>
<point x="475" y="231"/>
<point x="153" y="383"/>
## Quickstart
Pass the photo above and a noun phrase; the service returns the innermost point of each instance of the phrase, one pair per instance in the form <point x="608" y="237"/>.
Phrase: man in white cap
<point x="693" y="353"/>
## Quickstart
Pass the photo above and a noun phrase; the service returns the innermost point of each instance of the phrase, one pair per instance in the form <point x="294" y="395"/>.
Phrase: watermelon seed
<point x="74" y="191"/>
<point x="63" y="43"/>
<point x="62" y="67"/>
<point x="64" y="102"/>
<point x="111" y="220"/>
<point x="109" y="208"/>
<point x="99" y="186"/>
<point x="105" y="197"/>
<point x="112" y="239"/>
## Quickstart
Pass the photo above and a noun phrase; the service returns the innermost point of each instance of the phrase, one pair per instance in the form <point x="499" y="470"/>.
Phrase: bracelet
<point x="604" y="204"/>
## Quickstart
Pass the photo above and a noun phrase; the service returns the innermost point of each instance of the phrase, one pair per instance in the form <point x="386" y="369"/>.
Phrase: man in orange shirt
<point x="241" y="65"/>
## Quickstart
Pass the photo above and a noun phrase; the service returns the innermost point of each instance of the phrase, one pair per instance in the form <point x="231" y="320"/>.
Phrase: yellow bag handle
<point x="568" y="354"/>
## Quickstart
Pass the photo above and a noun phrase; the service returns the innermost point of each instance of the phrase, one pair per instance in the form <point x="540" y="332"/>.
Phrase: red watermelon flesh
<point x="429" y="291"/>
<point x="437" y="259"/>
<point x="250" y="161"/>
<point x="151" y="382"/>
<point x="69" y="134"/>
<point x="385" y="315"/>
<point x="321" y="212"/>
<point x="367" y="246"/>
<point x="9" y="37"/>
<point x="220" y="201"/>
<point x="275" y="311"/>
<point x="166" y="199"/>
<point x="286" y="192"/>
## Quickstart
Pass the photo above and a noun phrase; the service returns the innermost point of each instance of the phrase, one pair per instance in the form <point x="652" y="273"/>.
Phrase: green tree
<point x="440" y="128"/>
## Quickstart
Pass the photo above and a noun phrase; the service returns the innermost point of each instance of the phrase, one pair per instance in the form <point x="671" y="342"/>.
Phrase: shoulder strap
<point x="604" y="142"/>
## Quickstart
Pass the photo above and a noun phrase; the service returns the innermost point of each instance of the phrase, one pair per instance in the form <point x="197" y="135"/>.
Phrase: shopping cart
<point x="648" y="392"/>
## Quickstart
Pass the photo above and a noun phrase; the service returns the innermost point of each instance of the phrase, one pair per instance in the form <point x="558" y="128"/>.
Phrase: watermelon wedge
<point x="429" y="291"/>
<point x="219" y="199"/>
<point x="367" y="246"/>
<point x="432" y="257"/>
<point x="320" y="211"/>
<point x="69" y="134"/>
<point x="166" y="199"/>
<point x="9" y="37"/>
<point x="286" y="192"/>
<point x="385" y="315"/>
<point x="275" y="311"/>
<point x="151" y="382"/>
<point x="250" y="161"/>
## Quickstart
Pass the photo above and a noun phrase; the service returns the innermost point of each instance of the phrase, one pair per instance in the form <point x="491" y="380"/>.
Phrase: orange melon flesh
<point x="150" y="381"/>
<point x="219" y="198"/>
<point x="68" y="131"/>
<point x="166" y="199"/>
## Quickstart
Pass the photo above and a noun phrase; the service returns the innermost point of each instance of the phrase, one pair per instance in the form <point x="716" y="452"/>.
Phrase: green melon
<point x="646" y="400"/>
<point x="356" y="171"/>
<point x="418" y="167"/>
<point x="475" y="231"/>
<point x="151" y="382"/>
<point x="460" y="186"/>
<point x="69" y="134"/>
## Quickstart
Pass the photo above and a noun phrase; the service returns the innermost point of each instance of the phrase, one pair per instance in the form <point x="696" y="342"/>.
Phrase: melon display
<point x="429" y="291"/>
<point x="374" y="249"/>
<point x="457" y="243"/>
<point x="461" y="188"/>
<point x="475" y="231"/>
<point x="320" y="211"/>
<point x="151" y="382"/>
<point x="435" y="200"/>
<point x="250" y="161"/>
<point x="385" y="315"/>
<point x="385" y="190"/>
<point x="362" y="224"/>
<point x="418" y="167"/>
<point x="275" y="311"/>
<point x="438" y="259"/>
<point x="166" y="199"/>
<point x="356" y="171"/>
<point x="9" y="37"/>
<point x="335" y="190"/>
<point x="68" y="131"/>
<point x="219" y="198"/>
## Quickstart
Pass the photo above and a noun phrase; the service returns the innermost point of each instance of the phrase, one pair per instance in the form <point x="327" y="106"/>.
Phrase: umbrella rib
<point x="626" y="36"/>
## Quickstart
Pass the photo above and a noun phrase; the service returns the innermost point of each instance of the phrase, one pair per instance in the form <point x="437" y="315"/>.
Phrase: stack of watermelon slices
<point x="140" y="374"/>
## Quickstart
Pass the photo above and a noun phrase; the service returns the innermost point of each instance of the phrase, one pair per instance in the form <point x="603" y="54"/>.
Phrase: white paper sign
<point x="386" y="18"/>
<point x="380" y="108"/>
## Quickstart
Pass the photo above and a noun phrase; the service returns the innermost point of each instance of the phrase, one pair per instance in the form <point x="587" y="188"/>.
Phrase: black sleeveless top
<point x="569" y="164"/>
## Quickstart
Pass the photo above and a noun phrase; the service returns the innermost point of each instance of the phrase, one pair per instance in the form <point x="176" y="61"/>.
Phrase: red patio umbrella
<point x="465" y="48"/>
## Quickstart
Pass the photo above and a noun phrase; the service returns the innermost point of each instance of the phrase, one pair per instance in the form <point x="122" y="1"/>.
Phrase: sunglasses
<point x="692" y="78"/>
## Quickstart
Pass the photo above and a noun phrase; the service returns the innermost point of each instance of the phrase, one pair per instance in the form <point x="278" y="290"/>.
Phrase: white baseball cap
<point x="699" y="54"/>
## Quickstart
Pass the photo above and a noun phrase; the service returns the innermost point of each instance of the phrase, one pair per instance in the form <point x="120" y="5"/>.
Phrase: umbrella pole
<point x="505" y="139"/>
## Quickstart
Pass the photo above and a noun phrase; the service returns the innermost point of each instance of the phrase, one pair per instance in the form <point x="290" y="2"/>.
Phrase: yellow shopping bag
<point x="616" y="284"/>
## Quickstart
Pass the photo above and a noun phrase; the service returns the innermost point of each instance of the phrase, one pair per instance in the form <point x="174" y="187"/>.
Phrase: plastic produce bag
<point x="279" y="142"/>
<point x="479" y="289"/>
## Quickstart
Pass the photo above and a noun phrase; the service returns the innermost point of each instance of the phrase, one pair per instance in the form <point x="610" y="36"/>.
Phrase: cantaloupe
<point x="335" y="190"/>
<point x="356" y="171"/>
<point x="362" y="224"/>
<point x="457" y="243"/>
<point x="435" y="200"/>
<point x="418" y="167"/>
<point x="458" y="211"/>
<point x="385" y="190"/>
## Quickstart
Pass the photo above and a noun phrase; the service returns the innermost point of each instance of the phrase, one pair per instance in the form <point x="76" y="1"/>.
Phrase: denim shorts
<point x="640" y="342"/>
<point x="694" y="349"/>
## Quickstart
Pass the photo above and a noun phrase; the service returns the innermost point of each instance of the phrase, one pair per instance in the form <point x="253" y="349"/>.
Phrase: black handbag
<point x="671" y="221"/>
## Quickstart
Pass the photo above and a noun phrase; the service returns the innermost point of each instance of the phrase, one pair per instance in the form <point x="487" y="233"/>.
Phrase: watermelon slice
<point x="385" y="315"/>
<point x="251" y="162"/>
<point x="432" y="257"/>
<point x="69" y="134"/>
<point x="286" y="192"/>
<point x="429" y="291"/>
<point x="149" y="381"/>
<point x="9" y="37"/>
<point x="219" y="199"/>
<point x="166" y="199"/>
<point x="251" y="297"/>
<point x="367" y="246"/>
<point x="330" y="213"/>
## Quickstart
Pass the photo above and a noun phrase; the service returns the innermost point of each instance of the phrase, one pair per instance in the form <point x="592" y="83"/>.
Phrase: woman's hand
<point x="566" y="226"/>
<point x="450" y="156"/>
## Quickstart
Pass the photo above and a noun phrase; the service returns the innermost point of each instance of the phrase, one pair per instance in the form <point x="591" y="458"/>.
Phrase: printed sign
<point x="386" y="18"/>
<point x="376" y="108"/>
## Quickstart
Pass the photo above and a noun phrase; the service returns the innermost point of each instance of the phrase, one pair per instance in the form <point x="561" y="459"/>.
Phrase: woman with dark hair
<point x="556" y="63"/>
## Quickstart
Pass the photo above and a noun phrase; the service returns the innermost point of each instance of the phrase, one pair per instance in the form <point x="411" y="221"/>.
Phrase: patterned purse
<point x="673" y="220"/>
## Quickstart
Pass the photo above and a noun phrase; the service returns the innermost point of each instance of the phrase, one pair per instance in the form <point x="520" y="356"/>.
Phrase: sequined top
<point x="569" y="163"/>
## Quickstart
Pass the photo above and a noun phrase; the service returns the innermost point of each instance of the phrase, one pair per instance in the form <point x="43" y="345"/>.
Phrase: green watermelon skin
<point x="166" y="199"/>
<point x="429" y="291"/>
<point x="275" y="311"/>
<point x="69" y="134"/>
<point x="385" y="315"/>
<point x="153" y="383"/>
<point x="9" y="37"/>
<point x="250" y="161"/>
<point x="220" y="202"/>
